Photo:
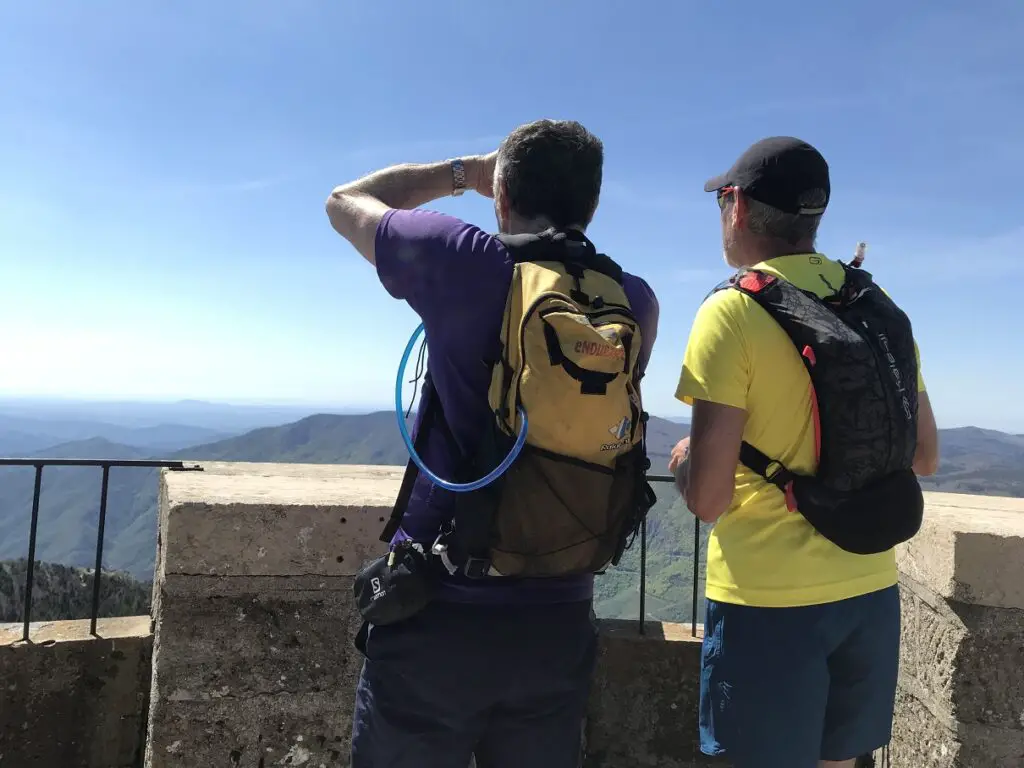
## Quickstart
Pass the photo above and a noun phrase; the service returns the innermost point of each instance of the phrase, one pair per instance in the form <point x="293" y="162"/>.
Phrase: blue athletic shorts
<point x="787" y="687"/>
<point x="507" y="682"/>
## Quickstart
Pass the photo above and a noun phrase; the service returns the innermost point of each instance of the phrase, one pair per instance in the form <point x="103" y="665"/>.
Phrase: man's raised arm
<point x="355" y="209"/>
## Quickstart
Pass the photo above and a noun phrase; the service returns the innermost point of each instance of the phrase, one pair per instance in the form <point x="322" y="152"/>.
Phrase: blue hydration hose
<point x="487" y="479"/>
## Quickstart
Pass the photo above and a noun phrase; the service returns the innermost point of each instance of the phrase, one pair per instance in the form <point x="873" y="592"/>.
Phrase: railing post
<point x="643" y="573"/>
<point x="106" y="464"/>
<point x="99" y="550"/>
<point x="696" y="575"/>
<point x="30" y="572"/>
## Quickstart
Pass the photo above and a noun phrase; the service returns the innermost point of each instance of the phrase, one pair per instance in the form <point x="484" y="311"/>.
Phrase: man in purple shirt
<point x="499" y="667"/>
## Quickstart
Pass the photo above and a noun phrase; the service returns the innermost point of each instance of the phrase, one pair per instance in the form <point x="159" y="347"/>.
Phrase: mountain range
<point x="225" y="418"/>
<point x="973" y="461"/>
<point x="21" y="435"/>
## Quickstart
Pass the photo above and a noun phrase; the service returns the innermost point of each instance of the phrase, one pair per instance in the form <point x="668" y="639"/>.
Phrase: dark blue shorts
<point x="787" y="687"/>
<point x="508" y="682"/>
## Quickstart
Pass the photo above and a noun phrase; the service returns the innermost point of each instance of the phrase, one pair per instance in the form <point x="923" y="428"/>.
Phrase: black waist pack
<point x="397" y="586"/>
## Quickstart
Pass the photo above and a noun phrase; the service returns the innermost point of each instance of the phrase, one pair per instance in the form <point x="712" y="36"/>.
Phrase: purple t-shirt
<point x="456" y="277"/>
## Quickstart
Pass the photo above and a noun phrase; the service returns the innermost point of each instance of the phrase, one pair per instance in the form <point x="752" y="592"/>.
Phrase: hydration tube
<point x="487" y="479"/>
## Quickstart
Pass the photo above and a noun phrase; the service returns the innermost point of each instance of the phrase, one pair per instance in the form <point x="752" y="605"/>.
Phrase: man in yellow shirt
<point x="801" y="642"/>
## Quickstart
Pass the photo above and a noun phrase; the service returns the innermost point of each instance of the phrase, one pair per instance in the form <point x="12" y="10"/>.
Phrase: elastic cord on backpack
<point x="487" y="479"/>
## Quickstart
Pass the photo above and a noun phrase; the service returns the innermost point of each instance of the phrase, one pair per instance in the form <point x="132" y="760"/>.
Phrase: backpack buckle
<point x="579" y="297"/>
<point x="477" y="567"/>
<point x="440" y="551"/>
<point x="777" y="474"/>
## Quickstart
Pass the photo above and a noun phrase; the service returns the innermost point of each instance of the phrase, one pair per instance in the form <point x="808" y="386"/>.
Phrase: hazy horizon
<point x="302" y="409"/>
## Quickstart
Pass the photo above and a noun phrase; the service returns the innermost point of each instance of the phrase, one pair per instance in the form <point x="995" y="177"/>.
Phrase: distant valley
<point x="62" y="592"/>
<point x="973" y="461"/>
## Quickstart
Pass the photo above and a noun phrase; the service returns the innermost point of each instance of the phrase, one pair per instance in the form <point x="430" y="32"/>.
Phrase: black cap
<point x="782" y="172"/>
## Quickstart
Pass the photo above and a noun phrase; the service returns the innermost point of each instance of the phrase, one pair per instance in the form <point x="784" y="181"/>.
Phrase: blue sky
<point x="163" y="169"/>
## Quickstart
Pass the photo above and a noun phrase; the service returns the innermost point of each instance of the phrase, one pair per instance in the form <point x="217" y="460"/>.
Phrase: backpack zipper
<point x="614" y="308"/>
<point x="522" y="338"/>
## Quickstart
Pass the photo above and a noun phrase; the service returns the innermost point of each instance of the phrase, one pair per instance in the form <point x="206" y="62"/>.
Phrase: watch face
<point x="458" y="177"/>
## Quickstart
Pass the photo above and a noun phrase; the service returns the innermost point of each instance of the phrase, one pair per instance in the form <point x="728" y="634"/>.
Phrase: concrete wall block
<point x="961" y="540"/>
<point x="921" y="739"/>
<point x="257" y="644"/>
<point x="988" y="683"/>
<point x="964" y="661"/>
<point x="306" y="729"/>
<point x="253" y="657"/>
<point x="261" y="520"/>
<point x="630" y="721"/>
<point x="986" y="747"/>
<point x="270" y="540"/>
<point x="69" y="700"/>
<point x="930" y="640"/>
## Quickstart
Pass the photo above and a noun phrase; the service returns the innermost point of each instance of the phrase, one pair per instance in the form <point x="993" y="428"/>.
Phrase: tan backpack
<point x="570" y="344"/>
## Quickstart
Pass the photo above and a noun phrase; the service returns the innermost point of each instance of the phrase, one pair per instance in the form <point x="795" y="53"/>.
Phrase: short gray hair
<point x="789" y="227"/>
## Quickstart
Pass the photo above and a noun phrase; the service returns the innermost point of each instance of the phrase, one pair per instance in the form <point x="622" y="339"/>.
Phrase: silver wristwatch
<point x="458" y="177"/>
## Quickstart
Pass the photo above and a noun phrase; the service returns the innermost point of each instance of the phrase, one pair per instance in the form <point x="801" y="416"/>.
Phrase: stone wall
<point x="254" y="665"/>
<point x="71" y="700"/>
<point x="253" y="657"/>
<point x="643" y="706"/>
<point x="961" y="696"/>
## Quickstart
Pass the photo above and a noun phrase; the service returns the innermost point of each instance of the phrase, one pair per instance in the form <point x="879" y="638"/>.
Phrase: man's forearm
<point x="404" y="186"/>
<point x="357" y="208"/>
<point x="410" y="185"/>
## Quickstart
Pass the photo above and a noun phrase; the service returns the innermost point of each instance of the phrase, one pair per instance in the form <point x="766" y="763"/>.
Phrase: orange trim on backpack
<point x="790" y="497"/>
<point x="808" y="353"/>
<point x="755" y="281"/>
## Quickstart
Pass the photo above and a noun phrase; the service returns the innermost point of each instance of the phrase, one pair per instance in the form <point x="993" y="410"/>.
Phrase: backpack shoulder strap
<point x="748" y="281"/>
<point x="771" y="470"/>
<point x="727" y="283"/>
<point x="432" y="411"/>
<point x="569" y="247"/>
<point x="756" y="285"/>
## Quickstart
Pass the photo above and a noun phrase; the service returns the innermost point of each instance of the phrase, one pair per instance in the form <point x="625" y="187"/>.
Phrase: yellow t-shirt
<point x="759" y="552"/>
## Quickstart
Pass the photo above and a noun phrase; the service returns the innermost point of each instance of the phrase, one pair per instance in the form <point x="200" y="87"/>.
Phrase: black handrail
<point x="643" y="564"/>
<point x="105" y="465"/>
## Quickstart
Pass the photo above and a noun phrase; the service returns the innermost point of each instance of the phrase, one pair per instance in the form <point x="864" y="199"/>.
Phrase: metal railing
<point x="105" y="465"/>
<point x="643" y="565"/>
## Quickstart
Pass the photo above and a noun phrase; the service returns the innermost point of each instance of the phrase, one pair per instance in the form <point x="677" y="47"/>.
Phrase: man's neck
<point x="768" y="255"/>
<point x="520" y="226"/>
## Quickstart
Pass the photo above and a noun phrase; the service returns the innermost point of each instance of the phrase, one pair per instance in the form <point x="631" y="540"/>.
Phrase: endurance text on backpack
<point x="858" y="348"/>
<point x="577" y="493"/>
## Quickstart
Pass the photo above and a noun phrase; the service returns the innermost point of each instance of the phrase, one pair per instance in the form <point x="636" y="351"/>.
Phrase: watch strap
<point x="458" y="176"/>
